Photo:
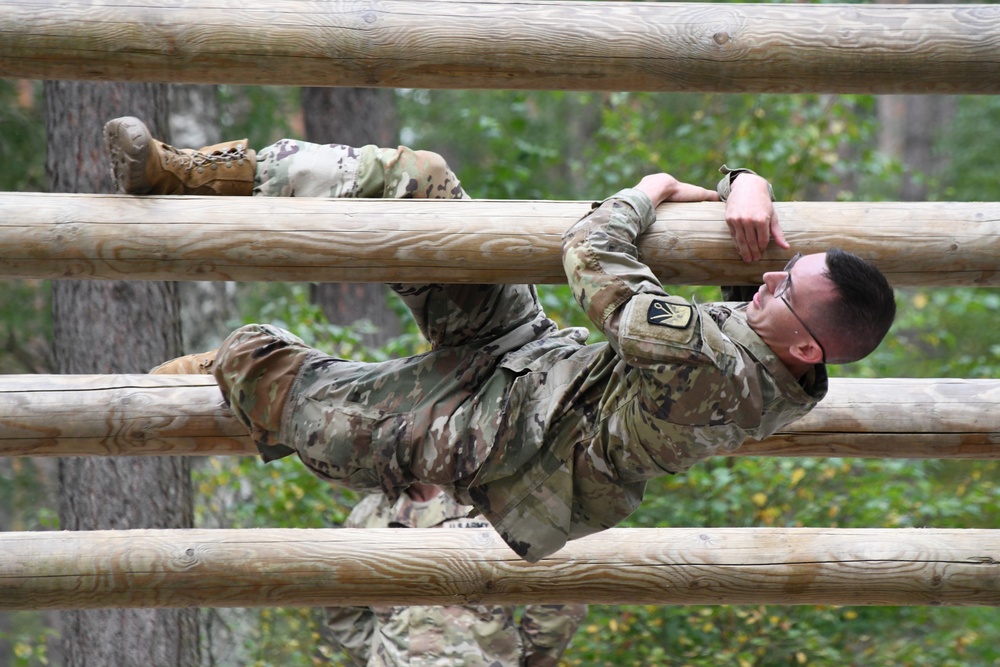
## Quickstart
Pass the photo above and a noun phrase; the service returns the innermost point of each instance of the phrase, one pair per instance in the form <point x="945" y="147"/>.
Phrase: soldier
<point x="548" y="437"/>
<point x="455" y="636"/>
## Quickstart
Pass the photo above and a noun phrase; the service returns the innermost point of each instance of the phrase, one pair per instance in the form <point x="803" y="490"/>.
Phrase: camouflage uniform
<point x="456" y="636"/>
<point x="548" y="437"/>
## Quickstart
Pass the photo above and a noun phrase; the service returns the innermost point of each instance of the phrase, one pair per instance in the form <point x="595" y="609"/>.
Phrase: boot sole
<point x="127" y="141"/>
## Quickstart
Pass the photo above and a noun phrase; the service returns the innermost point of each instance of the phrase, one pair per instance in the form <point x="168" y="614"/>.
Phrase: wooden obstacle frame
<point x="600" y="46"/>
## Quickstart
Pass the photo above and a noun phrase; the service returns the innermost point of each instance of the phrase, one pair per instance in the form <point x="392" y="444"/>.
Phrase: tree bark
<point x="355" y="117"/>
<point x="114" y="327"/>
<point x="909" y="126"/>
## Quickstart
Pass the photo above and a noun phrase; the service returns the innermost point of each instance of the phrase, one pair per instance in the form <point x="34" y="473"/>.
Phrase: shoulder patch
<point x="669" y="314"/>
<point x="660" y="329"/>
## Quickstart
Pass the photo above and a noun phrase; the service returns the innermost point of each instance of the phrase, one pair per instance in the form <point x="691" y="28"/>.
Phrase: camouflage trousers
<point x="379" y="426"/>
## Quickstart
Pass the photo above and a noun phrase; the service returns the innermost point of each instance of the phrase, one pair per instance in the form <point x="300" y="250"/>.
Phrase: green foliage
<point x="505" y="144"/>
<point x="804" y="492"/>
<point x="970" y="144"/>
<point x="761" y="636"/>
<point x="263" y="114"/>
<point x="25" y="326"/>
<point x="802" y="143"/>
<point x="22" y="137"/>
<point x="21" y="486"/>
<point x="246" y="493"/>
<point x="29" y="641"/>
<point x="23" y="499"/>
<point x="25" y="319"/>
<point x="554" y="144"/>
<point x="939" y="333"/>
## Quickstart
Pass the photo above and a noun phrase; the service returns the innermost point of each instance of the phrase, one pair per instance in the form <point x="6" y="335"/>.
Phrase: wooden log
<point x="117" y="237"/>
<point x="145" y="415"/>
<point x="607" y="46"/>
<point x="318" y="567"/>
<point x="116" y="415"/>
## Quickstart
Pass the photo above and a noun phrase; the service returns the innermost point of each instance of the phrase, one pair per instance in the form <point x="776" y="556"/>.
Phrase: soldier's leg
<point x="448" y="315"/>
<point x="255" y="368"/>
<point x="292" y="168"/>
<point x="372" y="426"/>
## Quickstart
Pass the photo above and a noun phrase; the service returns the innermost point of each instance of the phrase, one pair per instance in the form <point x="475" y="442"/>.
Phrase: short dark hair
<point x="859" y="318"/>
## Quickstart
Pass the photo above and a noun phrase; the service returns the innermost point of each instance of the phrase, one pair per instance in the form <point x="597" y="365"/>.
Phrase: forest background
<point x="583" y="146"/>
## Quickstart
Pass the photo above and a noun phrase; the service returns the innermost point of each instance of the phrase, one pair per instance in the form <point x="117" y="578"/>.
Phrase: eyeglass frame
<point x="783" y="287"/>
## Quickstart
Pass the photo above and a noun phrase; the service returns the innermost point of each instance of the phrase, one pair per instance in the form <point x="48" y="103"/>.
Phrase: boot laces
<point x="191" y="159"/>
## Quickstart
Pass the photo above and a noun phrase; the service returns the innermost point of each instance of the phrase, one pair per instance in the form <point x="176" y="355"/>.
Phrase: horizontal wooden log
<point x="601" y="46"/>
<point x="116" y="415"/>
<point x="109" y="237"/>
<point x="316" y="567"/>
<point x="135" y="415"/>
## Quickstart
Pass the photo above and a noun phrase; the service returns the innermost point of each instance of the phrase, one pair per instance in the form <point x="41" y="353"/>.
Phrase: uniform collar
<point x="810" y="389"/>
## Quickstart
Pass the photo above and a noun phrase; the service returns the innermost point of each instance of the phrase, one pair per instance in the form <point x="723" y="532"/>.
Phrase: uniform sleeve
<point x="601" y="260"/>
<point x="646" y="327"/>
<point x="725" y="186"/>
<point x="546" y="631"/>
<point x="686" y="393"/>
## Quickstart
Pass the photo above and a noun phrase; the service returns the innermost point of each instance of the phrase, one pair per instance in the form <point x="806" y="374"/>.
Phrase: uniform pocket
<point x="365" y="451"/>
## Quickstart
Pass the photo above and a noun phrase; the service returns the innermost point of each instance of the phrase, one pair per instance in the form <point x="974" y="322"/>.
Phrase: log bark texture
<point x="146" y="415"/>
<point x="609" y="46"/>
<point x="321" y="567"/>
<point x="108" y="237"/>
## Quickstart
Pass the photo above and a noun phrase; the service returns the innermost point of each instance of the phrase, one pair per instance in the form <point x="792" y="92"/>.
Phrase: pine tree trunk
<point x="353" y="116"/>
<point x="115" y="327"/>
<point x="909" y="126"/>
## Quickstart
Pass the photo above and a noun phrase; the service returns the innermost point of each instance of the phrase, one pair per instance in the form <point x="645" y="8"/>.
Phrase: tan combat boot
<point x="192" y="364"/>
<point x="143" y="165"/>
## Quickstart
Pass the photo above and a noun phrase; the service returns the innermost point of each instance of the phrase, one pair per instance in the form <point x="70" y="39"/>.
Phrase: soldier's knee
<point x="255" y="368"/>
<point x="253" y="346"/>
<point x="433" y="165"/>
<point x="412" y="174"/>
<point x="439" y="181"/>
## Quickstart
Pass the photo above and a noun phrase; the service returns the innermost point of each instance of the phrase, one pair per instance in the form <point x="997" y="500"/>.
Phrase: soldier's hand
<point x="751" y="217"/>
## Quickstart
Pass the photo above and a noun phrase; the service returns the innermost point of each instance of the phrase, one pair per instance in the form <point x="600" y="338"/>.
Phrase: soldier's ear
<point x="806" y="351"/>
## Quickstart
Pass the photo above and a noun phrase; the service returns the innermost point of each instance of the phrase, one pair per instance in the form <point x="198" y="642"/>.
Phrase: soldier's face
<point x="786" y="320"/>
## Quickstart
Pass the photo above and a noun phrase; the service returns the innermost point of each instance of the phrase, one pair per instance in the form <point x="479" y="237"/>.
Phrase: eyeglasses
<point x="783" y="288"/>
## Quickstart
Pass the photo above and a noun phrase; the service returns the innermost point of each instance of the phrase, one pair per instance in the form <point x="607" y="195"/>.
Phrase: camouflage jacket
<point x="587" y="425"/>
<point x="466" y="636"/>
